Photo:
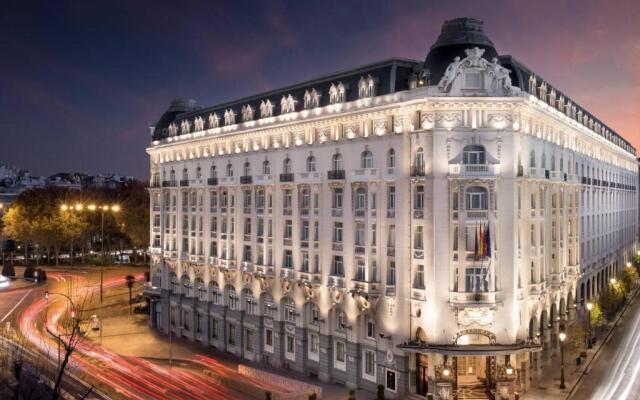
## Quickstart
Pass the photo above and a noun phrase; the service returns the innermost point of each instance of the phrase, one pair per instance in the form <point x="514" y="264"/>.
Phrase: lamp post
<point x="562" y="338"/>
<point x="103" y="209"/>
<point x="589" y="308"/>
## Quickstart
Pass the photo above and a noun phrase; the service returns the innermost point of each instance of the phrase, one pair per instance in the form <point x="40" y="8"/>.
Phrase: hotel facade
<point x="427" y="226"/>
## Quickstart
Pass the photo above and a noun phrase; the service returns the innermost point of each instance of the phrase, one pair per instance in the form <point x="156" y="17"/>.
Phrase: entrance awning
<point x="470" y="350"/>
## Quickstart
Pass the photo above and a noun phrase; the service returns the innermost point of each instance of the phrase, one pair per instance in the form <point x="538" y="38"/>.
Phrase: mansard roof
<point x="391" y="75"/>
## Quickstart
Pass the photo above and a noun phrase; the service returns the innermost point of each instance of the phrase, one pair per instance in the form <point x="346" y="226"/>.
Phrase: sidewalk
<point x="547" y="386"/>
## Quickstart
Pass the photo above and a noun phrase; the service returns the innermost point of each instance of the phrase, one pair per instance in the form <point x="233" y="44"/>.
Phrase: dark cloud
<point x="82" y="80"/>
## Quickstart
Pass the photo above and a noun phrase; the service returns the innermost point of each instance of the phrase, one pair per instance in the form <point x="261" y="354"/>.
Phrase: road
<point x="615" y="373"/>
<point x="112" y="375"/>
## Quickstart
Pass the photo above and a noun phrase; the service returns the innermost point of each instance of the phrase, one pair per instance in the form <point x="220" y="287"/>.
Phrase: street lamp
<point x="114" y="208"/>
<point x="613" y="281"/>
<point x="562" y="337"/>
<point x="589" y="308"/>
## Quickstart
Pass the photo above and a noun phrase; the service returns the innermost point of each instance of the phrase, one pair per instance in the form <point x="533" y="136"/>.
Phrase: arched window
<point x="268" y="305"/>
<point x="418" y="161"/>
<point x="286" y="166"/>
<point x="289" y="310"/>
<point x="473" y="154"/>
<point x="249" y="302"/>
<point x="311" y="164"/>
<point x="201" y="290"/>
<point x="336" y="162"/>
<point x="553" y="162"/>
<point x="229" y="170"/>
<point x="391" y="158"/>
<point x="187" y="287"/>
<point x="366" y="159"/>
<point x="246" y="170"/>
<point x="313" y="313"/>
<point x="266" y="167"/>
<point x="476" y="198"/>
<point x="532" y="159"/>
<point x="214" y="172"/>
<point x="214" y="292"/>
<point x="185" y="174"/>
<point x="175" y="284"/>
<point x="198" y="172"/>
<point x="172" y="176"/>
<point x="231" y="297"/>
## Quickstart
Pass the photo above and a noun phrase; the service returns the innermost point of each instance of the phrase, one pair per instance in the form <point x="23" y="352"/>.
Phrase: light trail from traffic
<point x="129" y="377"/>
<point x="622" y="381"/>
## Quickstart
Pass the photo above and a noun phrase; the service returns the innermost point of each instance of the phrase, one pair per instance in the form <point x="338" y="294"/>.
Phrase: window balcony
<point x="287" y="211"/>
<point x="212" y="181"/>
<point x="359" y="249"/>
<point x="368" y="287"/>
<point x="365" y="174"/>
<point x="360" y="212"/>
<point x="558" y="176"/>
<point x="309" y="177"/>
<point x="184" y="182"/>
<point x="390" y="290"/>
<point x="389" y="174"/>
<point x="168" y="183"/>
<point x="391" y="213"/>
<point x="478" y="298"/>
<point x="418" y="254"/>
<point x="246" y="180"/>
<point x="335" y="174"/>
<point x="391" y="251"/>
<point x="227" y="181"/>
<point x="418" y="294"/>
<point x="155" y="184"/>
<point x="263" y="179"/>
<point x="286" y="177"/>
<point x="475" y="170"/>
<point x="477" y="214"/>
<point x="336" y="212"/>
<point x="336" y="281"/>
<point x="336" y="246"/>
<point x="213" y="260"/>
<point x="417" y="171"/>
<point x="266" y="270"/>
<point x="313" y="277"/>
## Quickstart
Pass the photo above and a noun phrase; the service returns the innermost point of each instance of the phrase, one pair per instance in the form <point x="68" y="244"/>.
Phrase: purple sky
<point x="81" y="81"/>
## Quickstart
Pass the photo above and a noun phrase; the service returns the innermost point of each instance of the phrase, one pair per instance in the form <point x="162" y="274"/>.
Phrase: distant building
<point x="426" y="226"/>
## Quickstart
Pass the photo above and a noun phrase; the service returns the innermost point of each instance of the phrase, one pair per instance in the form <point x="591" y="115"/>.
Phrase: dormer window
<point x="366" y="87"/>
<point x="287" y="104"/>
<point x="266" y="108"/>
<point x="473" y="155"/>
<point x="229" y="117"/>
<point x="247" y="113"/>
<point x="214" y="120"/>
<point x="311" y="99"/>
<point x="337" y="93"/>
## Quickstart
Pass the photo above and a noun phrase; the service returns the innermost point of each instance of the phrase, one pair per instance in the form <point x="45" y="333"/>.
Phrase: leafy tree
<point x="597" y="317"/>
<point x="134" y="217"/>
<point x="629" y="277"/>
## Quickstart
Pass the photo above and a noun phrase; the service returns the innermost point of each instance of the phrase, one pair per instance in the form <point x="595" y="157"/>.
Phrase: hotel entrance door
<point x="471" y="370"/>
<point x="421" y="374"/>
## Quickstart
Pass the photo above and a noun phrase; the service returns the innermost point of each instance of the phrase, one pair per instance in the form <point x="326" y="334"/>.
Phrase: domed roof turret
<point x="456" y="36"/>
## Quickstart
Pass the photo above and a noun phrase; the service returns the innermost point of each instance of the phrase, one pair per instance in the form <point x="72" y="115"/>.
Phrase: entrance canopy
<point x="494" y="349"/>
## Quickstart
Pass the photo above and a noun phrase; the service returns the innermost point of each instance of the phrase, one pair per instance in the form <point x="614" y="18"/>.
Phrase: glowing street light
<point x="103" y="209"/>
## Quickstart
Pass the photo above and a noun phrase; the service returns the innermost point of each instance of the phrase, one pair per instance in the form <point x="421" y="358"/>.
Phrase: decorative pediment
<point x="475" y="75"/>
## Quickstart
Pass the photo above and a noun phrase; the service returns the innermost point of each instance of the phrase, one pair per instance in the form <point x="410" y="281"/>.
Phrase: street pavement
<point x="615" y="373"/>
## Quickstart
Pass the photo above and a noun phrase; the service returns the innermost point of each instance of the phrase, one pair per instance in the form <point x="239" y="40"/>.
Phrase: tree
<point x="597" y="317"/>
<point x="629" y="277"/>
<point x="8" y="270"/>
<point x="134" y="217"/>
<point x="130" y="282"/>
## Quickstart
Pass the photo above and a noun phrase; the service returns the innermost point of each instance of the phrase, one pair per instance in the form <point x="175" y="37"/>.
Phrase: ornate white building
<point x="426" y="226"/>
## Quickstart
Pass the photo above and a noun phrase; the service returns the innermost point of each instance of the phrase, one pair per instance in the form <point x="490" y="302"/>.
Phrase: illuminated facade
<point x="426" y="226"/>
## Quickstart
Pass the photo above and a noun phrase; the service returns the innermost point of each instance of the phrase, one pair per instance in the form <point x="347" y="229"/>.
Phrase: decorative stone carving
<point x="324" y="134"/>
<point x="449" y="120"/>
<point x="427" y="120"/>
<point x="266" y="108"/>
<point x="337" y="295"/>
<point x="286" y="284"/>
<point x="351" y="131"/>
<point x="500" y="120"/>
<point x="247" y="277"/>
<point x="247" y="113"/>
<point x="380" y="127"/>
<point x="309" y="290"/>
<point x="475" y="316"/>
<point x="487" y="76"/>
<point x="229" y="117"/>
<point x="214" y="120"/>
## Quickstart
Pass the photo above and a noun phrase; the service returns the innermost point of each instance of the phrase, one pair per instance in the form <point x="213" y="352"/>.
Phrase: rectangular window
<point x="249" y="340"/>
<point x="214" y="328"/>
<point x="476" y="279"/>
<point x="338" y="266"/>
<point x="369" y="365"/>
<point x="288" y="229"/>
<point x="336" y="198"/>
<point x="290" y="349"/>
<point x="418" y="282"/>
<point x="340" y="356"/>
<point x="288" y="259"/>
<point x="418" y="242"/>
<point x="391" y="198"/>
<point x="391" y="273"/>
<point x="268" y="337"/>
<point x="360" y="235"/>
<point x="390" y="381"/>
<point x="232" y="335"/>
<point x="314" y="346"/>
<point x="337" y="232"/>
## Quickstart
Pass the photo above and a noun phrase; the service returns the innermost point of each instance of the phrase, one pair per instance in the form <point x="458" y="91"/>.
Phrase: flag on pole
<point x="475" y="250"/>
<point x="487" y="277"/>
